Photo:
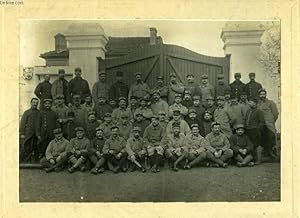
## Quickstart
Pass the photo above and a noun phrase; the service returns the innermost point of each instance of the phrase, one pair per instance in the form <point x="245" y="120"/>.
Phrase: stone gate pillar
<point x="86" y="42"/>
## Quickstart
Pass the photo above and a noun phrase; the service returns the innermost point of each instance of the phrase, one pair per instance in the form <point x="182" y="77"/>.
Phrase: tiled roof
<point x="55" y="54"/>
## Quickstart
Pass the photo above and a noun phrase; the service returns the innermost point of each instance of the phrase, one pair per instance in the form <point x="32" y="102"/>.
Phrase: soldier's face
<point x="133" y="102"/>
<point x="156" y="96"/>
<point x="58" y="136"/>
<point x="92" y="117"/>
<point x="47" y="78"/>
<point x="107" y="119"/>
<point x="210" y="102"/>
<point x="252" y="77"/>
<point x="136" y="134"/>
<point x="77" y="73"/>
<point x="195" y="131"/>
<point x="160" y="82"/>
<point x="79" y="134"/>
<point x="77" y="101"/>
<point x="102" y="77"/>
<point x="47" y="104"/>
<point x="234" y="101"/>
<point x="176" y="117"/>
<point x="176" y="130"/>
<point x="262" y="95"/>
<point x="243" y="98"/>
<point x="115" y="132"/>
<point x="101" y="100"/>
<point x="143" y="103"/>
<point x="227" y="97"/>
<point x="34" y="103"/>
<point x="154" y="122"/>
<point x="122" y="103"/>
<point x="99" y="134"/>
<point x="88" y="99"/>
<point x="112" y="103"/>
<point x="177" y="100"/>
<point x="221" y="81"/>
<point x="190" y="79"/>
<point x="207" y="116"/>
<point x="173" y="78"/>
<point x="220" y="102"/>
<point x="124" y="120"/>
<point x="237" y="78"/>
<point x="119" y="78"/>
<point x="138" y="78"/>
<point x="193" y="116"/>
<point x="216" y="129"/>
<point x="60" y="101"/>
<point x="139" y="118"/>
<point x="240" y="131"/>
<point x="252" y="104"/>
<point x="61" y="75"/>
<point x="162" y="117"/>
<point x="196" y="102"/>
<point x="204" y="81"/>
<point x="187" y="97"/>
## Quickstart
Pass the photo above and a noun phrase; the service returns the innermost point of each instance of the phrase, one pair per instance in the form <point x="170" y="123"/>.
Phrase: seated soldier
<point x="56" y="154"/>
<point x="187" y="99"/>
<point x="113" y="103"/>
<point x="143" y="109"/>
<point x="210" y="104"/>
<point x="101" y="108"/>
<point x="163" y="122"/>
<point x="184" y="127"/>
<point x="125" y="126"/>
<point x="77" y="150"/>
<point x="122" y="109"/>
<point x="91" y="125"/>
<point x="153" y="136"/>
<point x="69" y="126"/>
<point x="242" y="147"/>
<point x="106" y="125"/>
<point x="95" y="150"/>
<point x="197" y="105"/>
<point x="60" y="109"/>
<point x="178" y="106"/>
<point x="193" y="118"/>
<point x="114" y="151"/>
<point x="136" y="149"/>
<point x="175" y="146"/>
<point x="218" y="149"/>
<point x="140" y="121"/>
<point x="207" y="121"/>
<point x="133" y="104"/>
<point x="195" y="148"/>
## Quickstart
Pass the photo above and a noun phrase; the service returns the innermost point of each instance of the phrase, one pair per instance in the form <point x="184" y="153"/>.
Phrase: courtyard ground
<point x="259" y="183"/>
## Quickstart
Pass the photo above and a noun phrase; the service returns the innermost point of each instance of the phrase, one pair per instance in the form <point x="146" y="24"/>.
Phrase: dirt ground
<point x="259" y="183"/>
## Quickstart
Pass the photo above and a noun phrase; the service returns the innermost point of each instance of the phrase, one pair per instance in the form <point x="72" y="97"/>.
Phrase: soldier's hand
<point x="216" y="154"/>
<point x="132" y="157"/>
<point x="70" y="104"/>
<point x="245" y="151"/>
<point x="39" y="139"/>
<point x="241" y="151"/>
<point x="220" y="153"/>
<point x="78" y="152"/>
<point x="22" y="136"/>
<point x="98" y="153"/>
<point x="111" y="151"/>
<point x="58" y="158"/>
<point x="52" y="161"/>
<point x="119" y="155"/>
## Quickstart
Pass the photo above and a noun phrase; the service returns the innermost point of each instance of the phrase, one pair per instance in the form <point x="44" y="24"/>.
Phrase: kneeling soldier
<point x="175" y="146"/>
<point x="195" y="147"/>
<point x="242" y="147"/>
<point x="135" y="148"/>
<point x="56" y="154"/>
<point x="114" y="151"/>
<point x="77" y="150"/>
<point x="95" y="150"/>
<point x="218" y="149"/>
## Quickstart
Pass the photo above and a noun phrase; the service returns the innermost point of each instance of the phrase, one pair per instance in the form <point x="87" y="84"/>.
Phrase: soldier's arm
<point x="226" y="143"/>
<point x="208" y="145"/>
<point x="249" y="144"/>
<point x="23" y="123"/>
<point x="274" y="110"/>
<point x="37" y="90"/>
<point x="233" y="144"/>
<point x="38" y="125"/>
<point x="91" y="147"/>
<point x="53" y="89"/>
<point x="106" y="147"/>
<point x="87" y="87"/>
<point x="130" y="92"/>
<point x="128" y="148"/>
<point x="94" y="93"/>
<point x="49" y="150"/>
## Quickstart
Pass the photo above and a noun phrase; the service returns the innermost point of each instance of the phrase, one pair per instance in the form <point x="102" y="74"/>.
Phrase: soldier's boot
<point x="100" y="164"/>
<point x="197" y="160"/>
<point x="259" y="151"/>
<point x="175" y="168"/>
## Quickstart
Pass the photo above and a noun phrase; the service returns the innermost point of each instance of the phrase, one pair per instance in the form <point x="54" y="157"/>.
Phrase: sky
<point x="37" y="36"/>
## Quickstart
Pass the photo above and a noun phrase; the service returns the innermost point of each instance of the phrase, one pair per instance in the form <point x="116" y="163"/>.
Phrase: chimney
<point x="153" y="36"/>
<point x="60" y="42"/>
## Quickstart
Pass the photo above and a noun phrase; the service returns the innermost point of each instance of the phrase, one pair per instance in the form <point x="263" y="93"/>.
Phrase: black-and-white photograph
<point x="149" y="111"/>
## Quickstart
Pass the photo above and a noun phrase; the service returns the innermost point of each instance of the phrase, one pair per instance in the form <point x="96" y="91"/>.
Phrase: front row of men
<point x="147" y="150"/>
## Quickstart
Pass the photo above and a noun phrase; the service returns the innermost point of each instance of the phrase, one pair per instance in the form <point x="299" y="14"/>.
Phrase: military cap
<point x="119" y="73"/>
<point x="76" y="96"/>
<point x="161" y="113"/>
<point x="252" y="74"/>
<point x="144" y="99"/>
<point x="172" y="75"/>
<point x="190" y="74"/>
<point x="79" y="128"/>
<point x="78" y="69"/>
<point x="122" y="98"/>
<point x="175" y="124"/>
<point x="91" y="113"/>
<point x="70" y="114"/>
<point x="133" y="97"/>
<point x="99" y="129"/>
<point x="221" y="98"/>
<point x="215" y="124"/>
<point x="187" y="92"/>
<point x="114" y="127"/>
<point x="137" y="128"/>
<point x="220" y="76"/>
<point x="233" y="97"/>
<point x="177" y="95"/>
<point x="192" y="111"/>
<point x="154" y="116"/>
<point x="138" y="73"/>
<point x="102" y="72"/>
<point x="207" y="112"/>
<point x="226" y="92"/>
<point x="155" y="91"/>
<point x="239" y="126"/>
<point x="107" y="114"/>
<point x="194" y="125"/>
<point x="124" y="115"/>
<point x="61" y="71"/>
<point x="59" y="97"/>
<point x="160" y="77"/>
<point x="47" y="100"/>
<point x="57" y="131"/>
<point x="262" y="90"/>
<point x="204" y="76"/>
<point x="237" y="75"/>
<point x="253" y="99"/>
<point x="196" y="97"/>
<point x="243" y="92"/>
<point x="209" y="97"/>
<point x="176" y="112"/>
<point x="101" y="97"/>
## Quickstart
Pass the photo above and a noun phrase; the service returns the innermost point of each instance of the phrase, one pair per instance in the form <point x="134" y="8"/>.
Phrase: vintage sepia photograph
<point x="150" y="110"/>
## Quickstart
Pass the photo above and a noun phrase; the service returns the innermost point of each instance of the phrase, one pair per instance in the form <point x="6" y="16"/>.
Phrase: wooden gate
<point x="163" y="59"/>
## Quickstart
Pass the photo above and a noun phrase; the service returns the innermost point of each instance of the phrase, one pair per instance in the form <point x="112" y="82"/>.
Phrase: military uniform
<point x="206" y="90"/>
<point x="160" y="105"/>
<point x="237" y="87"/>
<point x="43" y="91"/>
<point x="253" y="87"/>
<point x="80" y="115"/>
<point x="79" y="86"/>
<point x="145" y="111"/>
<point x="174" y="145"/>
<point x="125" y="129"/>
<point x="100" y="89"/>
<point x="119" y="112"/>
<point x="61" y="111"/>
<point x="143" y="125"/>
<point x="61" y="87"/>
<point x="198" y="120"/>
<point x="184" y="127"/>
<point x="164" y="91"/>
<point x="139" y="89"/>
<point x="91" y="129"/>
<point x="221" y="88"/>
<point x="101" y="110"/>
<point x="174" y="88"/>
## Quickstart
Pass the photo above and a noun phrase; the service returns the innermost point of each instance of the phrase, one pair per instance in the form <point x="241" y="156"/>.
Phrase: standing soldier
<point x="69" y="126"/>
<point x="114" y="151"/>
<point x="143" y="109"/>
<point x="197" y="106"/>
<point x="139" y="89"/>
<point x="218" y="149"/>
<point x="79" y="111"/>
<point x="244" y="103"/>
<point x="224" y="117"/>
<point x="140" y="121"/>
<point x="77" y="150"/>
<point x="61" y="86"/>
<point x="125" y="126"/>
<point x="191" y="85"/>
<point x="100" y="87"/>
<point x="119" y="88"/>
<point x="178" y="106"/>
<point x="136" y="149"/>
<point x="174" y="87"/>
<point x="270" y="112"/>
<point x="163" y="121"/>
<point x="56" y="154"/>
<point x="91" y="125"/>
<point x="195" y="151"/>
<point x="237" y="86"/>
<point x="48" y="123"/>
<point x="153" y="136"/>
<point x="106" y="125"/>
<point x="237" y="110"/>
<point x="133" y="104"/>
<point x="88" y="104"/>
<point x="210" y="105"/>
<point x="184" y="127"/>
<point x="164" y="90"/>
<point x="187" y="100"/>
<point x="158" y="104"/>
<point x="207" y="121"/>
<point x="122" y="109"/>
<point x="43" y="90"/>
<point x="95" y="151"/>
<point x="60" y="109"/>
<point x="79" y="86"/>
<point x="30" y="132"/>
<point x="252" y="87"/>
<point x="221" y="87"/>
<point x="194" y="118"/>
<point x="101" y="108"/>
<point x="206" y="88"/>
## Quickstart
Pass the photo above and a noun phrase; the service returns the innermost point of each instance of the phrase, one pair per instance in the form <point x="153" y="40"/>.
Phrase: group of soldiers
<point x="119" y="127"/>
